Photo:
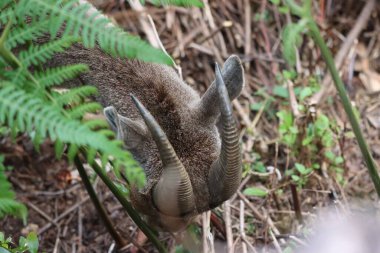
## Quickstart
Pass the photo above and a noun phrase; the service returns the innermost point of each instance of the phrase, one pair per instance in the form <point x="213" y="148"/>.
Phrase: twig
<point x="128" y="207"/>
<point x="372" y="167"/>
<point x="306" y="14"/>
<point x="296" y="203"/>
<point x="80" y="228"/>
<point x="293" y="99"/>
<point x="67" y="212"/>
<point x="297" y="240"/>
<point x="275" y="242"/>
<point x="178" y="68"/>
<point x="42" y="213"/>
<point x="242" y="232"/>
<point x="56" y="244"/>
<point x="136" y="5"/>
<point x="256" y="213"/>
<point x="227" y="219"/>
<point x="98" y="206"/>
<point x="247" y="32"/>
<point x="343" y="52"/>
<point x="208" y="241"/>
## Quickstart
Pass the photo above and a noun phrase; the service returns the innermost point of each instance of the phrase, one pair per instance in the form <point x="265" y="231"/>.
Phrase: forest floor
<point x="283" y="185"/>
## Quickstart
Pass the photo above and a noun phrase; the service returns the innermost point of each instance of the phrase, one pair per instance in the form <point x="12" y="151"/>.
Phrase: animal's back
<point x="188" y="121"/>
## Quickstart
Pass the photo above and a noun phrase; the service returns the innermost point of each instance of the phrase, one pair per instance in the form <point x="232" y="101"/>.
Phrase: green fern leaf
<point x="59" y="148"/>
<point x="4" y="3"/>
<point x="20" y="35"/>
<point x="92" y="29"/>
<point x="40" y="54"/>
<point x="46" y="120"/>
<point x="74" y="95"/>
<point x="8" y="204"/>
<point x="291" y="39"/>
<point x="79" y="111"/>
<point x="58" y="75"/>
<point x="6" y="15"/>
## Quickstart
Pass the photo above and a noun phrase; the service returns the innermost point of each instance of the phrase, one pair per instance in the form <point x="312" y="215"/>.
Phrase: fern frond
<point x="17" y="76"/>
<point x="79" y="111"/>
<point x="58" y="75"/>
<point x="73" y="18"/>
<point x="8" y="204"/>
<point x="74" y="95"/>
<point x="22" y="110"/>
<point x="12" y="207"/>
<point x="20" y="35"/>
<point x="4" y="3"/>
<point x="40" y="54"/>
<point x="6" y="15"/>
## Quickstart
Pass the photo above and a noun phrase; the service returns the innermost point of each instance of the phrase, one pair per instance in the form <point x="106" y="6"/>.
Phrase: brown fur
<point x="173" y="104"/>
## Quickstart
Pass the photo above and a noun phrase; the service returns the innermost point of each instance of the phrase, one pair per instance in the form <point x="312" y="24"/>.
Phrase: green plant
<point x="306" y="24"/>
<point x="28" y="244"/>
<point x="8" y="203"/>
<point x="29" y="103"/>
<point x="311" y="139"/>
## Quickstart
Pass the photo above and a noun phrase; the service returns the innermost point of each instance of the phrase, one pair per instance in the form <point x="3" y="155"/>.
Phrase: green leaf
<point x="292" y="39"/>
<point x="280" y="91"/>
<point x="41" y="53"/>
<point x="302" y="169"/>
<point x="256" y="192"/>
<point x="275" y="2"/>
<point x="321" y="124"/>
<point x="305" y="92"/>
<point x="93" y="29"/>
<point x="4" y="250"/>
<point x="32" y="242"/>
<point x="295" y="178"/>
<point x="338" y="160"/>
<point x="330" y="155"/>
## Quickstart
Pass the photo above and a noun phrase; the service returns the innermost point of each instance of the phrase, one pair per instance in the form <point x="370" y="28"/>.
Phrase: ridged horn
<point x="173" y="193"/>
<point x="225" y="172"/>
<point x="233" y="76"/>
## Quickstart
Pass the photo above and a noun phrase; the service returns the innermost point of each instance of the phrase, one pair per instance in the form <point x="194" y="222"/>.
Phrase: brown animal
<point x="190" y="165"/>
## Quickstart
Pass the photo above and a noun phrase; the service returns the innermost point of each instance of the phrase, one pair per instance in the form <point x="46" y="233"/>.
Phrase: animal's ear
<point x="233" y="77"/>
<point x="131" y="132"/>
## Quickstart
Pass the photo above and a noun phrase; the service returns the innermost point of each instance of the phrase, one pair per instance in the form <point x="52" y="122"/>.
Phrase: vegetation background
<point x="299" y="150"/>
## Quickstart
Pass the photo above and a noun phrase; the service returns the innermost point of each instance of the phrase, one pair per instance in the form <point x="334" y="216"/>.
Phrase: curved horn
<point x="225" y="172"/>
<point x="173" y="193"/>
<point x="233" y="76"/>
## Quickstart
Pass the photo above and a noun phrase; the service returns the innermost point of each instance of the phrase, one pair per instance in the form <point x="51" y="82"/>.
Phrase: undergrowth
<point x="28" y="101"/>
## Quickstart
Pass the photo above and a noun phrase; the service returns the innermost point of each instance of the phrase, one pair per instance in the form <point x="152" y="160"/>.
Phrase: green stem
<point x="128" y="207"/>
<point x="294" y="8"/>
<point x="98" y="205"/>
<point x="13" y="61"/>
<point x="7" y="55"/>
<point x="372" y="167"/>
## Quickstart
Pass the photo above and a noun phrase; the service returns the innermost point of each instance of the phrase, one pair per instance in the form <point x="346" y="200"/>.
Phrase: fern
<point x="20" y="35"/>
<point x="79" y="111"/>
<point x="55" y="76"/>
<point x="73" y="19"/>
<point x="75" y="95"/>
<point x="8" y="204"/>
<point x="40" y="54"/>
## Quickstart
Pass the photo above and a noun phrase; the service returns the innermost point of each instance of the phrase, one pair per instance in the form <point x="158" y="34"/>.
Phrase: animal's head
<point x="188" y="145"/>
